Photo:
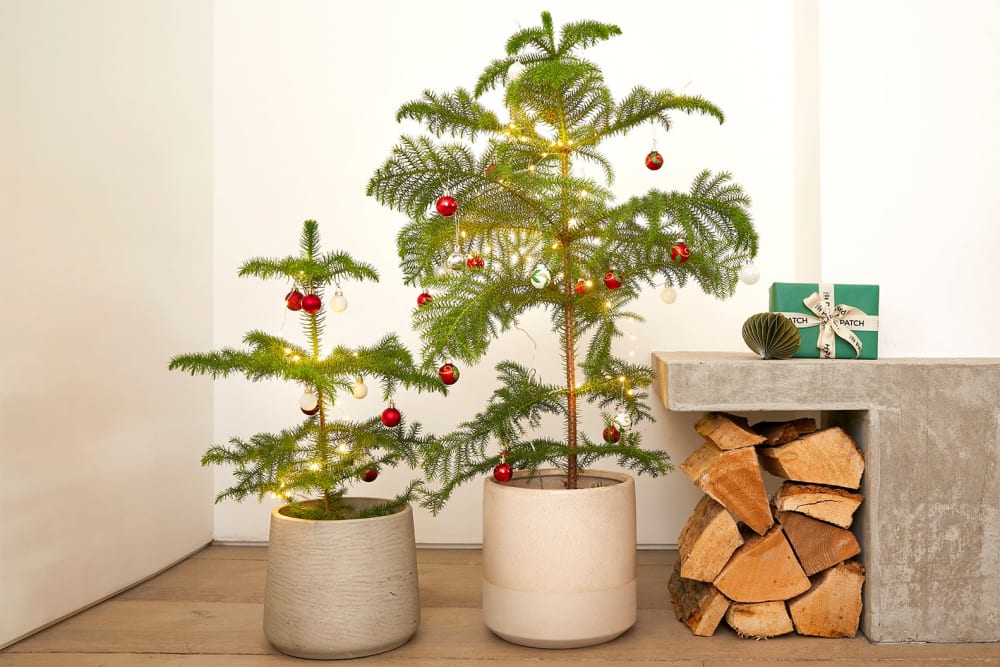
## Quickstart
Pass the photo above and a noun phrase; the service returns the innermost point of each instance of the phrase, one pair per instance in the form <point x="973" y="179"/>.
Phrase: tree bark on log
<point x="778" y="433"/>
<point x="698" y="605"/>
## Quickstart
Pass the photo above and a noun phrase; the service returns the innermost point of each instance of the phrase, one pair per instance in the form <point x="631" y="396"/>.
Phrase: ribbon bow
<point x="833" y="321"/>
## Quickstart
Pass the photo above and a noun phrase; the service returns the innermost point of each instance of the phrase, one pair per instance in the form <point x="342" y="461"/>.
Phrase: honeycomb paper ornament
<point x="771" y="335"/>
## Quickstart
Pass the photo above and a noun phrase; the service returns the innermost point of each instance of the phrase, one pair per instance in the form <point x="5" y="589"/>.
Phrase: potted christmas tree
<point x="341" y="571"/>
<point x="503" y="220"/>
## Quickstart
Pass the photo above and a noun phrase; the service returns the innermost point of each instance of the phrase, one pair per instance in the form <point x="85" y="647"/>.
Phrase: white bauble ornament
<point x="338" y="303"/>
<point x="750" y="274"/>
<point x="456" y="260"/>
<point x="540" y="277"/>
<point x="668" y="294"/>
<point x="309" y="403"/>
<point x="514" y="71"/>
<point x="360" y="389"/>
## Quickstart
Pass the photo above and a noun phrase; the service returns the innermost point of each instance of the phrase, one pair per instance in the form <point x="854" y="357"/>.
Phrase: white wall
<point x="105" y="207"/>
<point x="910" y="161"/>
<point x="306" y="95"/>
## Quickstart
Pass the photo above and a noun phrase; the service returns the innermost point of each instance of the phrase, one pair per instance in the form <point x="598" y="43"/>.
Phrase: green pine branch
<point x="456" y="113"/>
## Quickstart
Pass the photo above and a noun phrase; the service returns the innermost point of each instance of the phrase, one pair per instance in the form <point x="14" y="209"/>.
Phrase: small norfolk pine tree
<point x="509" y="185"/>
<point x="313" y="463"/>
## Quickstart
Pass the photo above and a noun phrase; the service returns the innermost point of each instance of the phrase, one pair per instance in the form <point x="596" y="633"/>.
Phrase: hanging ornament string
<point x="532" y="372"/>
<point x="455" y="260"/>
<point x="653" y="159"/>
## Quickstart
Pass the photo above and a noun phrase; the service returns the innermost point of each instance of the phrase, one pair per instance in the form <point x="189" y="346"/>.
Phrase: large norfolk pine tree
<point x="523" y="203"/>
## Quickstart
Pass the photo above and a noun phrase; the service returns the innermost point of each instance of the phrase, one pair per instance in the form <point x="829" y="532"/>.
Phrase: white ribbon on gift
<point x="833" y="321"/>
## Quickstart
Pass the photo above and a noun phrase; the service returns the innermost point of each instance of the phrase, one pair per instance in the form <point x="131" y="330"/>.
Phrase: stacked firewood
<point x="771" y="566"/>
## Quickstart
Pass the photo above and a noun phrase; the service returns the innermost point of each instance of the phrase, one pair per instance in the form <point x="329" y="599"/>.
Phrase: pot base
<point x="542" y="619"/>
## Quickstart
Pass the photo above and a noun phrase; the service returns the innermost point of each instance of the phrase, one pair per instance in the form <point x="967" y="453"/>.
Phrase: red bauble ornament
<point x="370" y="475"/>
<point x="311" y="304"/>
<point x="293" y="300"/>
<point x="654" y="161"/>
<point x="448" y="373"/>
<point x="680" y="252"/>
<point x="424" y="299"/>
<point x="611" y="435"/>
<point x="391" y="417"/>
<point x="503" y="472"/>
<point x="446" y="205"/>
<point x="580" y="287"/>
<point x="613" y="279"/>
<point x="475" y="262"/>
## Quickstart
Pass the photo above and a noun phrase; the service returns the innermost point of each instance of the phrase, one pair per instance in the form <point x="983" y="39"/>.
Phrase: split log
<point x="708" y="539"/>
<point x="727" y="431"/>
<point x="829" y="457"/>
<point x="763" y="569"/>
<point x="778" y="433"/>
<point x="698" y="605"/>
<point x="733" y="479"/>
<point x="832" y="607"/>
<point x="759" y="620"/>
<point x="818" y="544"/>
<point x="825" y="503"/>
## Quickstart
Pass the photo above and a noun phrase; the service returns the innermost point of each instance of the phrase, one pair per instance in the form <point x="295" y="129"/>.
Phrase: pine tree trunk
<point x="322" y="442"/>
<point x="571" y="471"/>
<point x="570" y="337"/>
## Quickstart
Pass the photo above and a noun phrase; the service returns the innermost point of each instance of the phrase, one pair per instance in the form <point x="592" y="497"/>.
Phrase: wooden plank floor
<point x="206" y="612"/>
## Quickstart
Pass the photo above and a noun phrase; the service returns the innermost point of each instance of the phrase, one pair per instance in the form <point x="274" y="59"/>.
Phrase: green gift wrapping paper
<point x="836" y="321"/>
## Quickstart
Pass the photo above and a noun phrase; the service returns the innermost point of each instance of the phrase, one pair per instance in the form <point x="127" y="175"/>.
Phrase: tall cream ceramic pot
<point x="559" y="566"/>
<point x="341" y="589"/>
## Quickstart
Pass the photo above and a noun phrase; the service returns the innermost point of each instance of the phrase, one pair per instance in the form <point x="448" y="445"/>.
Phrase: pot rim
<point x="617" y="477"/>
<point x="407" y="508"/>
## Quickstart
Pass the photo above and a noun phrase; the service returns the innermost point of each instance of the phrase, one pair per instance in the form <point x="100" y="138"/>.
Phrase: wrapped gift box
<point x="836" y="321"/>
